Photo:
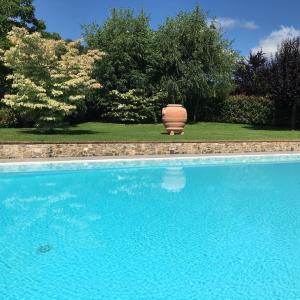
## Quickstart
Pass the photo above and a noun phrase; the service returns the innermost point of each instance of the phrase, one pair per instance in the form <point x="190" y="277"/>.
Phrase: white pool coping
<point x="67" y="160"/>
<point x="115" y="159"/>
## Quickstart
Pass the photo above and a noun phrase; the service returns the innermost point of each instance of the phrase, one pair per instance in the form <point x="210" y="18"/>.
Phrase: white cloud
<point x="225" y="22"/>
<point x="249" y="25"/>
<point x="230" y="23"/>
<point x="270" y="44"/>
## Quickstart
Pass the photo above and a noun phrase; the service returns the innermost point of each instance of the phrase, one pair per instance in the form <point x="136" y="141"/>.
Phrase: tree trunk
<point x="294" y="116"/>
<point x="195" y="115"/>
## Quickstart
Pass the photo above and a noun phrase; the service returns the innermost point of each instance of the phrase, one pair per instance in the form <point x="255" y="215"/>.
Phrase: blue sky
<point x="250" y="24"/>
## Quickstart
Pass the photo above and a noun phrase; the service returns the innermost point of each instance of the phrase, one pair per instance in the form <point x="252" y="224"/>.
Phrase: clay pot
<point x="174" y="117"/>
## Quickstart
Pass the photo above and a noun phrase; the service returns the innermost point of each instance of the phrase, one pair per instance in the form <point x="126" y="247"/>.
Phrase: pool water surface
<point x="215" y="228"/>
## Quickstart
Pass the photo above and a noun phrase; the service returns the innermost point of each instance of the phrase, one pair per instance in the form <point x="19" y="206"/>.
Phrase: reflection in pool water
<point x="174" y="179"/>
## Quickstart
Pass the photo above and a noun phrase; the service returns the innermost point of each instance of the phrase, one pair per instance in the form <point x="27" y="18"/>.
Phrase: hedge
<point x="248" y="110"/>
<point x="255" y="110"/>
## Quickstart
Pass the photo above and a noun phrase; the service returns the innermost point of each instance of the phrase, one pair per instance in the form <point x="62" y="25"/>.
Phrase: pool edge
<point x="107" y="159"/>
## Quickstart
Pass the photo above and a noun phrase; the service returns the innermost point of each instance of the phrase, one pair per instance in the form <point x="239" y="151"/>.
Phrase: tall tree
<point x="196" y="62"/>
<point x="252" y="75"/>
<point x="19" y="13"/>
<point x="285" y="80"/>
<point x="128" y="65"/>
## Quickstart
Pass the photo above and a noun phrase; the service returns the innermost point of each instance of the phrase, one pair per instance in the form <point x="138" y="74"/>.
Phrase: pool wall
<point x="24" y="150"/>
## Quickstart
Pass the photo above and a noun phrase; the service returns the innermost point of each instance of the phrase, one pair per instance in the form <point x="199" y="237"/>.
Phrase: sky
<point x="249" y="24"/>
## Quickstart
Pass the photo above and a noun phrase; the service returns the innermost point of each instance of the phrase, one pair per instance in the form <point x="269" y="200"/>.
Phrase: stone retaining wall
<point x="85" y="149"/>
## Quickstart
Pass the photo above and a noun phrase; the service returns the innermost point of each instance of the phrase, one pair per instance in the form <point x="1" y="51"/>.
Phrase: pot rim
<point x="174" y="105"/>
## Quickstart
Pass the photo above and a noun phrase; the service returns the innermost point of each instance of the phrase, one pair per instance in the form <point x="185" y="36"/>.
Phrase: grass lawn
<point x="119" y="132"/>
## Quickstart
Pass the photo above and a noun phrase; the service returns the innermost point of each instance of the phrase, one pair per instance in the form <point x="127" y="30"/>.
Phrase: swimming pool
<point x="190" y="228"/>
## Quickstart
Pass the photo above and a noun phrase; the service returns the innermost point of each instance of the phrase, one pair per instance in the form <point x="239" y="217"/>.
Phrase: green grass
<point x="121" y="132"/>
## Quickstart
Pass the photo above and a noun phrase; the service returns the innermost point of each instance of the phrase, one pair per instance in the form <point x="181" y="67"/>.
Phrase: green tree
<point x="252" y="75"/>
<point x="130" y="60"/>
<point x="19" y="13"/>
<point x="196" y="63"/>
<point x="50" y="77"/>
<point x="285" y="81"/>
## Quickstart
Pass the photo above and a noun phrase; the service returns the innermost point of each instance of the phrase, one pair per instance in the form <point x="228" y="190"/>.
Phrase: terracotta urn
<point x="174" y="117"/>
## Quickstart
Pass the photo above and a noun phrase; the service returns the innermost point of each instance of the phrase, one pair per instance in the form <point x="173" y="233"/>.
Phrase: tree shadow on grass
<point x="269" y="128"/>
<point x="63" y="132"/>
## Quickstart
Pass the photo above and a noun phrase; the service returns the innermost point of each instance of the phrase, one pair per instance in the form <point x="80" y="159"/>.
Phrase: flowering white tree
<point x="50" y="77"/>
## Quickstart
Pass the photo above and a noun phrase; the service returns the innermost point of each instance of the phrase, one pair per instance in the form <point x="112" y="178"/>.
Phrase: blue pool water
<point x="216" y="228"/>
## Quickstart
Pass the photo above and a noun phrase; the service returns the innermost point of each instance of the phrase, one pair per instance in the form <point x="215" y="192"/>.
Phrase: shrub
<point x="131" y="107"/>
<point x="247" y="110"/>
<point x="8" y="118"/>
